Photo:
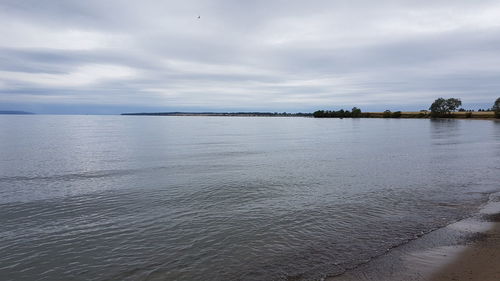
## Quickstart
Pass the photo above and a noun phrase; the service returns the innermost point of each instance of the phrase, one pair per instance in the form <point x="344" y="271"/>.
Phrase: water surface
<point x="229" y="198"/>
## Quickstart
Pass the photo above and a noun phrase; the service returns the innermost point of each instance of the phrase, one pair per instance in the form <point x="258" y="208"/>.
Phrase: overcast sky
<point x="111" y="56"/>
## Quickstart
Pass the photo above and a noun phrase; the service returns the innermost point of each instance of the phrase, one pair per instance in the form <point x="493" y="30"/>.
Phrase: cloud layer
<point x="246" y="55"/>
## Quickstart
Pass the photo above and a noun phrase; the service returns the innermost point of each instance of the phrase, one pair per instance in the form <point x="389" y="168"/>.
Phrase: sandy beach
<point x="479" y="262"/>
<point x="465" y="250"/>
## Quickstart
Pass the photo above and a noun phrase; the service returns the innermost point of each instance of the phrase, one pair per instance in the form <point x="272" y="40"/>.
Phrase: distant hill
<point x="14" y="112"/>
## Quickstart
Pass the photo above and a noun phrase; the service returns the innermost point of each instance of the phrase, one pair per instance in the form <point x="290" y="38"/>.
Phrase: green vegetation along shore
<point x="440" y="108"/>
<point x="411" y="114"/>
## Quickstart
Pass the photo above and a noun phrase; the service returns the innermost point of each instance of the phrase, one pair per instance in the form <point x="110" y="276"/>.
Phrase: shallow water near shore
<point x="463" y="250"/>
<point x="229" y="198"/>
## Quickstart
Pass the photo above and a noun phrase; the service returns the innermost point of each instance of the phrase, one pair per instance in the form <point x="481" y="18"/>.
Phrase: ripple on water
<point x="205" y="204"/>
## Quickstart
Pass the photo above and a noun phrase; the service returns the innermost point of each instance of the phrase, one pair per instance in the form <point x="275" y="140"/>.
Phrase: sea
<point x="229" y="198"/>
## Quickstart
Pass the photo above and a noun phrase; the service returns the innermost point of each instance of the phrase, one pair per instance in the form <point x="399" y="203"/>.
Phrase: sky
<point x="108" y="57"/>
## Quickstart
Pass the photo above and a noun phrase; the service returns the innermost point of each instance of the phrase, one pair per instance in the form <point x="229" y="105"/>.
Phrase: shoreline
<point x="365" y="115"/>
<point x="468" y="249"/>
<point x="478" y="262"/>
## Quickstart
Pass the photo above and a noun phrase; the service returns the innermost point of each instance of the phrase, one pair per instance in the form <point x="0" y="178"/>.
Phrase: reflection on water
<point x="445" y="128"/>
<point x="195" y="198"/>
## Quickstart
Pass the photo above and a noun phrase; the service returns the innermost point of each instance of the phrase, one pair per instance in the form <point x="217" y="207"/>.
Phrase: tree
<point x="356" y="112"/>
<point x="386" y="114"/>
<point x="442" y="107"/>
<point x="452" y="104"/>
<point x="438" y="107"/>
<point x="496" y="108"/>
<point x="319" y="114"/>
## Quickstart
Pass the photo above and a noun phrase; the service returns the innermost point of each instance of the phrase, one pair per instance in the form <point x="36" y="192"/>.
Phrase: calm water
<point x="217" y="198"/>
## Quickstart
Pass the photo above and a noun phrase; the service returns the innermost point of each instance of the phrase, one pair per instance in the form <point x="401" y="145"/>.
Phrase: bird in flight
<point x="199" y="17"/>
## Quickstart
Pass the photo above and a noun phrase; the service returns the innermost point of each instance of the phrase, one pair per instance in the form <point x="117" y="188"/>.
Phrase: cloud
<point x="84" y="75"/>
<point x="248" y="55"/>
<point x="21" y="35"/>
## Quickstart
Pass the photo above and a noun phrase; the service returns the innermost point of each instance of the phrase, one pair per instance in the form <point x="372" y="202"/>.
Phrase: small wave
<point x="69" y="176"/>
<point x="81" y="175"/>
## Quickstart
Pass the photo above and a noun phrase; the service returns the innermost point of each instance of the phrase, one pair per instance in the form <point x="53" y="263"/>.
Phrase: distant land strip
<point x="415" y="114"/>
<point x="14" y="112"/>
<point x="399" y="114"/>
<point x="405" y="114"/>
<point x="235" y="114"/>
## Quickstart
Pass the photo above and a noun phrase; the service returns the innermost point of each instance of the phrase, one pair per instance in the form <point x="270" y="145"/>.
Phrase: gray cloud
<point x="247" y="55"/>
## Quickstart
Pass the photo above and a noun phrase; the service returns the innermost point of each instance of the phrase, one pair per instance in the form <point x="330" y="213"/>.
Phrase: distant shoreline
<point x="230" y="114"/>
<point x="15" y="112"/>
<point x="480" y="115"/>
<point x="453" y="115"/>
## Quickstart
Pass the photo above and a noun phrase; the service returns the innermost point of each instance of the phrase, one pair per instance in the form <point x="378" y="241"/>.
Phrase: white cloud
<point x="25" y="34"/>
<point x="249" y="53"/>
<point x="84" y="75"/>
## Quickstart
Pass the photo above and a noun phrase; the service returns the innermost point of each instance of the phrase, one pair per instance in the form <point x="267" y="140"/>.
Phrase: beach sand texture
<point x="465" y="250"/>
<point x="479" y="262"/>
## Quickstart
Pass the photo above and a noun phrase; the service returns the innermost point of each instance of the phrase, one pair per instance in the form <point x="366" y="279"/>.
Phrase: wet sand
<point x="480" y="261"/>
<point x="465" y="250"/>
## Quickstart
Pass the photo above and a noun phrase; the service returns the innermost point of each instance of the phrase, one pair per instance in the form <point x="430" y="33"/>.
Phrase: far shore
<point x="223" y="114"/>
<point x="426" y="114"/>
<point x="478" y="115"/>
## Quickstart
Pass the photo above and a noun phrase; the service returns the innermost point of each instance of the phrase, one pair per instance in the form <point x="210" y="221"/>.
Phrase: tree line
<point x="444" y="107"/>
<point x="354" y="113"/>
<point x="440" y="108"/>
